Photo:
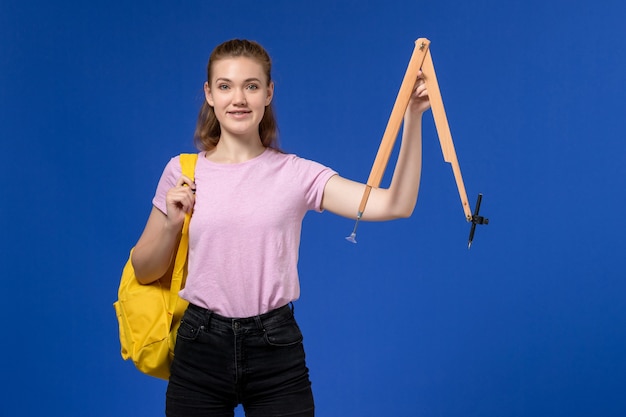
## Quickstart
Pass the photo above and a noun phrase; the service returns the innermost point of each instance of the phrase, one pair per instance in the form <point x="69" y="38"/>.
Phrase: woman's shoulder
<point x="280" y="155"/>
<point x="172" y="165"/>
<point x="173" y="169"/>
<point x="295" y="162"/>
<point x="174" y="160"/>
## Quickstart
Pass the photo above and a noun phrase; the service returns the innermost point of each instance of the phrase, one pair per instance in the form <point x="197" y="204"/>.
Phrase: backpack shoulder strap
<point x="188" y="164"/>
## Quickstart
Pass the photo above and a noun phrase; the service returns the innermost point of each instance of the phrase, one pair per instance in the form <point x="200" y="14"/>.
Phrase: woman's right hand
<point x="153" y="253"/>
<point x="180" y="200"/>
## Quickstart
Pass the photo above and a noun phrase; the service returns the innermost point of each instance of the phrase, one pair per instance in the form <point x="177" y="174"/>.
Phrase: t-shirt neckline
<point x="235" y="164"/>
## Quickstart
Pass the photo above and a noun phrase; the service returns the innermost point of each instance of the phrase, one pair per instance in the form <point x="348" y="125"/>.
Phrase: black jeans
<point x="220" y="362"/>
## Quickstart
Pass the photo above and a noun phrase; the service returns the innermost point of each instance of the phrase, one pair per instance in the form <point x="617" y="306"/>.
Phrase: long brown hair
<point x="208" y="128"/>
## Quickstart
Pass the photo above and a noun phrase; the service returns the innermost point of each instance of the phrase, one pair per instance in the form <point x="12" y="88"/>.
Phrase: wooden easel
<point x="420" y="60"/>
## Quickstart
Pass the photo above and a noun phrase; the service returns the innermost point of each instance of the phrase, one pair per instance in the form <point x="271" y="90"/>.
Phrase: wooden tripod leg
<point x="443" y="129"/>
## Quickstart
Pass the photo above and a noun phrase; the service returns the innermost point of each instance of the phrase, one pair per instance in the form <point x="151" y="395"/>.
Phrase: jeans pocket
<point x="287" y="334"/>
<point x="189" y="328"/>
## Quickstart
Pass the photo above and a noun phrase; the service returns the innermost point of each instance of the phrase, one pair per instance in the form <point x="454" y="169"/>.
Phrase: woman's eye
<point x="253" y="87"/>
<point x="222" y="86"/>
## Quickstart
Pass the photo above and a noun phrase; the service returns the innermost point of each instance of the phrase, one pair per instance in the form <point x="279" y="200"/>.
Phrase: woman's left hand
<point x="419" y="101"/>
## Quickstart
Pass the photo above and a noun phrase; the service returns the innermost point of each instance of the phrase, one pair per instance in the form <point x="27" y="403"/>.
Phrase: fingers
<point x="421" y="91"/>
<point x="186" y="181"/>
<point x="180" y="199"/>
<point x="419" y="99"/>
<point x="420" y="86"/>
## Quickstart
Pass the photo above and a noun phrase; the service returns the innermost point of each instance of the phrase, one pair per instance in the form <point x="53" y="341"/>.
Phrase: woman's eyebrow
<point x="247" y="80"/>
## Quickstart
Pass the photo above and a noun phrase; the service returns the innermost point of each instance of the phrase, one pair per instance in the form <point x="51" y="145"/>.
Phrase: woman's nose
<point x="240" y="97"/>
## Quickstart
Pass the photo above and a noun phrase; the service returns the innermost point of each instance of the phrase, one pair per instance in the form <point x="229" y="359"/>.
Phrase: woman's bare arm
<point x="343" y="196"/>
<point x="154" y="251"/>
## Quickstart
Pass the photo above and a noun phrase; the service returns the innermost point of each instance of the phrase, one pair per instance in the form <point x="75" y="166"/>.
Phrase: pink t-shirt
<point x="244" y="234"/>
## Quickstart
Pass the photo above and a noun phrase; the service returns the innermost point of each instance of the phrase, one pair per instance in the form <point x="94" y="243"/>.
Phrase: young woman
<point x="238" y="342"/>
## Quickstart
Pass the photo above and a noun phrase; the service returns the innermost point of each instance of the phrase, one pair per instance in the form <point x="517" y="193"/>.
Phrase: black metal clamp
<point x="476" y="219"/>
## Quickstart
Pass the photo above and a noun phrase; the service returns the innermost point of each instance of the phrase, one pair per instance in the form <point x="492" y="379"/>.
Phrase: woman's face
<point x="239" y="93"/>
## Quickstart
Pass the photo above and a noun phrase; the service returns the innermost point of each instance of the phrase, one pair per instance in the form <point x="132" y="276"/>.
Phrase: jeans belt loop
<point x="259" y="322"/>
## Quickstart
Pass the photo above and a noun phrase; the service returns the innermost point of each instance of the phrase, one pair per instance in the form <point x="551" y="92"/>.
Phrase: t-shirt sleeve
<point x="169" y="177"/>
<point x="313" y="177"/>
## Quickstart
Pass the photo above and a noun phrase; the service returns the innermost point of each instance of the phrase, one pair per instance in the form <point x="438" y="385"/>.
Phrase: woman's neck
<point x="234" y="151"/>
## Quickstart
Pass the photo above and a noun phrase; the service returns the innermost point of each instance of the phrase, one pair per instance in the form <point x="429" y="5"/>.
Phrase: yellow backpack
<point x="149" y="315"/>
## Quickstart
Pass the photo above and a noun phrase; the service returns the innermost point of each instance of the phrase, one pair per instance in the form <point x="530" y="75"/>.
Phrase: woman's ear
<point x="270" y="93"/>
<point x="207" y="94"/>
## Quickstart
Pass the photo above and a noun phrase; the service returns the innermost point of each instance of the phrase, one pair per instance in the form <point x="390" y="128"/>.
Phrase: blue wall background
<point x="95" y="97"/>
